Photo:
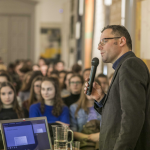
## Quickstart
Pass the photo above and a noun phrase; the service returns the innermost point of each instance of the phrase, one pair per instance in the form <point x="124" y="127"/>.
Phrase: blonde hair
<point x="82" y="102"/>
<point x="3" y="67"/>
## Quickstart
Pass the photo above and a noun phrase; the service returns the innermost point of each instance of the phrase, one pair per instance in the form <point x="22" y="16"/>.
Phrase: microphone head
<point x="95" y="61"/>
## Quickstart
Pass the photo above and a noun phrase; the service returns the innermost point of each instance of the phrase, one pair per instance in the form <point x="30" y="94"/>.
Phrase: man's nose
<point x="100" y="47"/>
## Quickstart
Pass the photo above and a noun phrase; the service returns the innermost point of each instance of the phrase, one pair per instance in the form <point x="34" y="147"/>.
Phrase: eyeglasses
<point x="104" y="40"/>
<point x="78" y="82"/>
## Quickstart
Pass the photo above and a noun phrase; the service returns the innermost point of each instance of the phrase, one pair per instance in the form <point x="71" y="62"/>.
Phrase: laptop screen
<point x="30" y="135"/>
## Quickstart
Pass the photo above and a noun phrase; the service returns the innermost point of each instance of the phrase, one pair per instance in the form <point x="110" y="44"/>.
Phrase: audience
<point x="35" y="91"/>
<point x="25" y="89"/>
<point x="9" y="107"/>
<point x="59" y="65"/>
<point x="5" y="77"/>
<point x="3" y="67"/>
<point x="54" y="74"/>
<point x="29" y="63"/>
<point x="42" y="62"/>
<point x="82" y="113"/>
<point x="49" y="70"/>
<point x="18" y="65"/>
<point x="35" y="67"/>
<point x="86" y="73"/>
<point x="51" y="104"/>
<point x="62" y="75"/>
<point x="75" y="84"/>
<point x="66" y="89"/>
<point x="40" y="93"/>
<point x="44" y="69"/>
<point x="104" y="81"/>
<point x="77" y="69"/>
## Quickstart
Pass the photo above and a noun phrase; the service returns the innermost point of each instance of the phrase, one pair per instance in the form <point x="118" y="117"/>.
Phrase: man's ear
<point x="122" y="41"/>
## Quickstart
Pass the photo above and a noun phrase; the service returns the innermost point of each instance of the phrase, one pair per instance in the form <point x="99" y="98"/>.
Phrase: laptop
<point x="26" y="134"/>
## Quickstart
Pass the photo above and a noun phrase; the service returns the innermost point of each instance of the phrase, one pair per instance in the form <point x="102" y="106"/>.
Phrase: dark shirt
<point x="7" y="114"/>
<point x="71" y="99"/>
<point x="119" y="59"/>
<point x="100" y="104"/>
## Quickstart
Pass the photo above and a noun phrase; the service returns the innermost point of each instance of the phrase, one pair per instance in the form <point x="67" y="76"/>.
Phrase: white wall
<point x="47" y="11"/>
<point x="145" y="30"/>
<point x="98" y="25"/>
<point x="50" y="10"/>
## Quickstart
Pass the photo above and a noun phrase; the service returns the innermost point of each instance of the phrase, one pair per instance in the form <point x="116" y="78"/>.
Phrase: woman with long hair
<point x="25" y="89"/>
<point x="34" y="92"/>
<point x="51" y="104"/>
<point x="9" y="107"/>
<point x="82" y="112"/>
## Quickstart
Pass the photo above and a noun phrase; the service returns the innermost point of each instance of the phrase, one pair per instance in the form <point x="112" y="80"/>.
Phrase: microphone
<point x="95" y="63"/>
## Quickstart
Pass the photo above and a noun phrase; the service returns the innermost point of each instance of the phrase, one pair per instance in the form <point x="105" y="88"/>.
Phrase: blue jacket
<point x="76" y="123"/>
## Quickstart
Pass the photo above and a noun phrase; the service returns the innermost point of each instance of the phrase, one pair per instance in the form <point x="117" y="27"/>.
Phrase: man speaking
<point x="125" y="109"/>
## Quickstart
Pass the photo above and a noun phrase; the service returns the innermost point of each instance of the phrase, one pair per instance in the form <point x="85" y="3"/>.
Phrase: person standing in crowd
<point x="75" y="84"/>
<point x="126" y="107"/>
<point x="51" y="104"/>
<point x="104" y="81"/>
<point x="35" y="91"/>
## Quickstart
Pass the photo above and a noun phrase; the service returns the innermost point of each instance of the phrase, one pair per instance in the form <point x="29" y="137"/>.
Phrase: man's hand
<point x="94" y="137"/>
<point x="97" y="92"/>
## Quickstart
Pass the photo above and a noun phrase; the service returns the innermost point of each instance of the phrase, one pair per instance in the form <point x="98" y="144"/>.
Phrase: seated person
<point x="66" y="89"/>
<point x="5" y="77"/>
<point x="59" y="65"/>
<point x="75" y="84"/>
<point x="25" y="89"/>
<point x="103" y="79"/>
<point x="35" y="92"/>
<point x="86" y="73"/>
<point x="9" y="107"/>
<point x="82" y="112"/>
<point x="62" y="75"/>
<point x="51" y="104"/>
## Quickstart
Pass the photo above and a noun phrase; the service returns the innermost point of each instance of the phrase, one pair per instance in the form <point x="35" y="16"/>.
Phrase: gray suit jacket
<point x="126" y="111"/>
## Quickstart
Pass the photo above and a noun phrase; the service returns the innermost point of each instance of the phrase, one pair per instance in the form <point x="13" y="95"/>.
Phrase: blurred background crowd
<point x="49" y="89"/>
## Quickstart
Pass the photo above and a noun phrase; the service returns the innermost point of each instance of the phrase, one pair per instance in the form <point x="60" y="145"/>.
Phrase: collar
<point x="119" y="59"/>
